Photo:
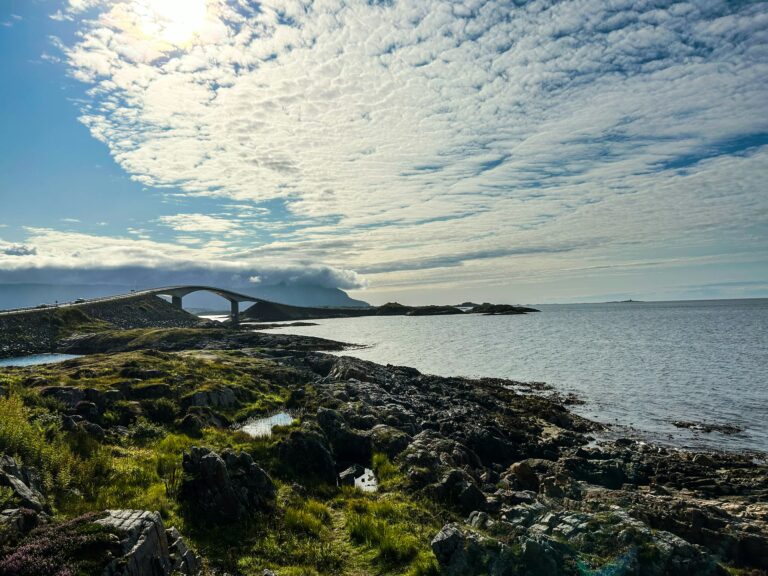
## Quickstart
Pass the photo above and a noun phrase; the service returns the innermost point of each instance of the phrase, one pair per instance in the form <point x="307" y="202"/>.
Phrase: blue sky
<point x="420" y="151"/>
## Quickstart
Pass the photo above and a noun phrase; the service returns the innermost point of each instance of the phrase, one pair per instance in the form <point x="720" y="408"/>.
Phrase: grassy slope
<point x="325" y="531"/>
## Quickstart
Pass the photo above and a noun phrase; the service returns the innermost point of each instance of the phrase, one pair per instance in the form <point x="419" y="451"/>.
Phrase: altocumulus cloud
<point x="436" y="133"/>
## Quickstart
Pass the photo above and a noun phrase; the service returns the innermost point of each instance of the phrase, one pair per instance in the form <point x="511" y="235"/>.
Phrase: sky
<point x="424" y="151"/>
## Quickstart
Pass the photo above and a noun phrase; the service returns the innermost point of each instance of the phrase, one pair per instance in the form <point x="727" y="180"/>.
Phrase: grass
<point x="316" y="531"/>
<point x="31" y="444"/>
<point x="396" y="528"/>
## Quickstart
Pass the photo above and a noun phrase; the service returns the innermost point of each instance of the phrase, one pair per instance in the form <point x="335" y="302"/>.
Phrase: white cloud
<point x="416" y="138"/>
<point x="200" y="223"/>
<point x="51" y="256"/>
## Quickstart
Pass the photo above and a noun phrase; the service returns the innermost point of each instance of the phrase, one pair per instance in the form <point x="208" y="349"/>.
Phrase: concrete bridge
<point x="176" y="293"/>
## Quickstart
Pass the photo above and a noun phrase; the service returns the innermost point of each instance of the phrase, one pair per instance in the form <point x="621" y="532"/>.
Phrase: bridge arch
<point x="177" y="293"/>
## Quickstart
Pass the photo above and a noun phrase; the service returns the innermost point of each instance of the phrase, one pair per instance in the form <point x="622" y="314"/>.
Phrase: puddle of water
<point x="36" y="359"/>
<point x="367" y="482"/>
<point x="262" y="427"/>
<point x="216" y="317"/>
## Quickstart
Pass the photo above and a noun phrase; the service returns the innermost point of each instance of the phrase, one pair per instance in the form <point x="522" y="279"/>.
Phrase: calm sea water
<point x="35" y="359"/>
<point x="638" y="366"/>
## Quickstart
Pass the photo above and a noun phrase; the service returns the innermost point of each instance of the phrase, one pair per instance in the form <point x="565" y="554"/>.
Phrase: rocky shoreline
<point x="486" y="480"/>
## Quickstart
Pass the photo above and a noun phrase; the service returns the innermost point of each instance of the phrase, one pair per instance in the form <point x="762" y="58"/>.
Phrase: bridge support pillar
<point x="176" y="301"/>
<point x="234" y="313"/>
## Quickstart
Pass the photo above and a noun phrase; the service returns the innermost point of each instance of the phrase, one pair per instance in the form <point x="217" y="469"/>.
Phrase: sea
<point x="638" y="367"/>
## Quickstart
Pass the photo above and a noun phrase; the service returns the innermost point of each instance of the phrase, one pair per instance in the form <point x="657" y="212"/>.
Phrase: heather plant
<point x="79" y="546"/>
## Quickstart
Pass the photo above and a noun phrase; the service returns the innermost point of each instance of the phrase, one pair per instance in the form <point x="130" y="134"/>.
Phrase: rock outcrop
<point x="224" y="488"/>
<point x="111" y="543"/>
<point x="24" y="481"/>
<point x="147" y="548"/>
<point x="523" y="471"/>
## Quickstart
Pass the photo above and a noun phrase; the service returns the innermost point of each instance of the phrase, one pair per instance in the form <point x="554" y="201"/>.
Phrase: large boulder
<point x="143" y="543"/>
<point x="15" y="523"/>
<point x="112" y="543"/>
<point x="524" y="476"/>
<point x="24" y="481"/>
<point x="221" y="397"/>
<point x="466" y="553"/>
<point x="67" y="395"/>
<point x="389" y="440"/>
<point x="306" y="455"/>
<point x="145" y="547"/>
<point x="226" y="487"/>
<point x="347" y="443"/>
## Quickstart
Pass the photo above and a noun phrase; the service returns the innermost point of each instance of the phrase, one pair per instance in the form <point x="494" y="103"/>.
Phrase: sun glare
<point x="173" y="21"/>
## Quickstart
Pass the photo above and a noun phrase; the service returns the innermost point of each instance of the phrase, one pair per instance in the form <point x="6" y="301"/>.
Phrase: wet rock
<point x="704" y="460"/>
<point x="24" y="481"/>
<point x="346" y="368"/>
<point x="226" y="487"/>
<point x="305" y="454"/>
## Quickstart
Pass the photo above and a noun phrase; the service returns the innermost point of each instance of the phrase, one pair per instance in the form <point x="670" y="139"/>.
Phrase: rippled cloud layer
<point x="432" y="142"/>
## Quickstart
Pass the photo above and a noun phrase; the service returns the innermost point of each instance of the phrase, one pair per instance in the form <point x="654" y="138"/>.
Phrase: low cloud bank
<point x="225" y="275"/>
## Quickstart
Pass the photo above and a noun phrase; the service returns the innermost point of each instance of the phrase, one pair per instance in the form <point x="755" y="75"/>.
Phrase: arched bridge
<point x="178" y="292"/>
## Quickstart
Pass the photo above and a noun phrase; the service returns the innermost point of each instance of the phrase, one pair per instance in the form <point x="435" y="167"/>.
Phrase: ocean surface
<point x="637" y="366"/>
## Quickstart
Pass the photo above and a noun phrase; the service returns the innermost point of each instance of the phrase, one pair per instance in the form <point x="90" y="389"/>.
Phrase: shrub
<point x="27" y="441"/>
<point x="144" y="431"/>
<point x="76" y="547"/>
<point x="162" y="410"/>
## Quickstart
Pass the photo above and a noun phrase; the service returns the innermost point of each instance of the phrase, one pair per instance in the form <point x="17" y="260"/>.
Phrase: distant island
<point x="264" y="311"/>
